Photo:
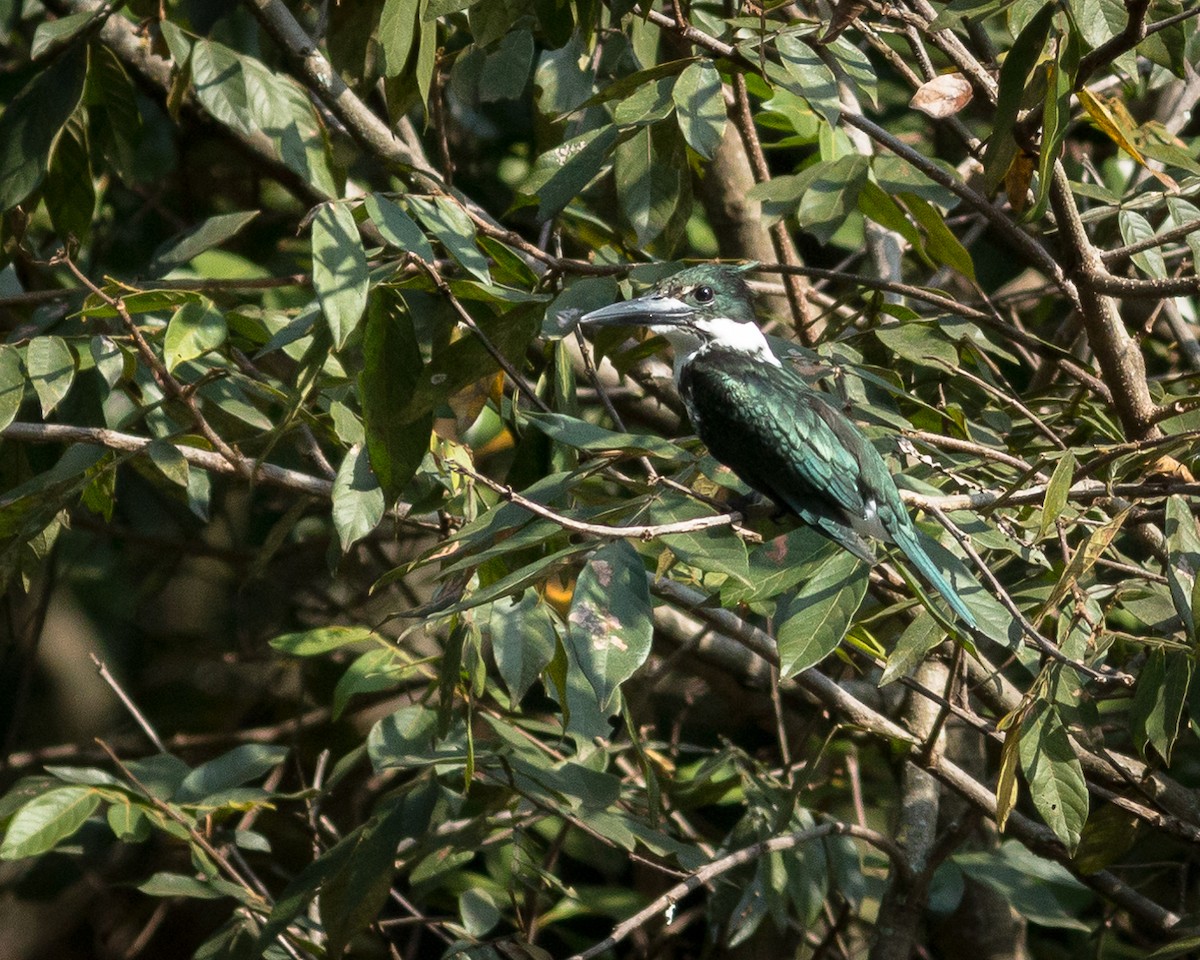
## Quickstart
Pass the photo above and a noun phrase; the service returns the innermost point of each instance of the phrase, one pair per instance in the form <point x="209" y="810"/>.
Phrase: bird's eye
<point x="704" y="294"/>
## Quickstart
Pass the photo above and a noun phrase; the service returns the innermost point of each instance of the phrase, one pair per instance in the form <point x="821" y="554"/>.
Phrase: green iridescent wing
<point x="784" y="440"/>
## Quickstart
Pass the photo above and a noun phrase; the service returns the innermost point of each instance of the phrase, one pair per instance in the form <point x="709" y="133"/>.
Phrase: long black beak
<point x="652" y="310"/>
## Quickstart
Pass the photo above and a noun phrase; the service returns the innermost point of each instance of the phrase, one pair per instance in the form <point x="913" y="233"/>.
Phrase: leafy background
<point x="354" y="603"/>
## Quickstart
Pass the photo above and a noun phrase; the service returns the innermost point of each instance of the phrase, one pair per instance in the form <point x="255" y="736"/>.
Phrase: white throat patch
<point x="739" y="337"/>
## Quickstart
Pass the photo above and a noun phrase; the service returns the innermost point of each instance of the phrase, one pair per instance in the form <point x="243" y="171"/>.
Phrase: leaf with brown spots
<point x="609" y="626"/>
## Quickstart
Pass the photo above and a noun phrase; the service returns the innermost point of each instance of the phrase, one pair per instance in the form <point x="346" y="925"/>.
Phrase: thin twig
<point x="1037" y="640"/>
<point x="127" y="702"/>
<point x="732" y="861"/>
<point x="636" y="531"/>
<point x="468" y="321"/>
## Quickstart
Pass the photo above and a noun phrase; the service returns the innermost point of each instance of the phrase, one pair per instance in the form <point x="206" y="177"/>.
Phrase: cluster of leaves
<point x="257" y="337"/>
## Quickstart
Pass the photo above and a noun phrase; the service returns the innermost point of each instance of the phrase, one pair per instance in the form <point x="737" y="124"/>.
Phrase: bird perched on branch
<point x="760" y="418"/>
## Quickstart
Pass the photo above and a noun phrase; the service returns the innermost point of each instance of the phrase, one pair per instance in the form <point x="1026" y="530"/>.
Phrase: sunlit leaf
<point x="1055" y="776"/>
<point x="46" y="820"/>
<point x="813" y="621"/>
<point x="609" y="626"/>
<point x="339" y="270"/>
<point x="358" y="501"/>
<point x="51" y="367"/>
<point x="196" y="328"/>
<point x="700" y="106"/>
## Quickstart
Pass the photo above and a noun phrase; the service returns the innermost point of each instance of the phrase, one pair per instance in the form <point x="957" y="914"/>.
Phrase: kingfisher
<point x="759" y="417"/>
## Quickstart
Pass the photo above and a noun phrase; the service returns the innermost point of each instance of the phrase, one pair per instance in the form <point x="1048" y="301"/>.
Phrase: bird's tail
<point x="907" y="541"/>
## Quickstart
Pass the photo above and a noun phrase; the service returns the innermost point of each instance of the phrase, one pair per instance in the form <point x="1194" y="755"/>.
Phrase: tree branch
<point x="209" y="460"/>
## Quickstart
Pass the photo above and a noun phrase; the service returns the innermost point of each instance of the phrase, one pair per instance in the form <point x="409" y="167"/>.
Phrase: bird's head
<point x="707" y="303"/>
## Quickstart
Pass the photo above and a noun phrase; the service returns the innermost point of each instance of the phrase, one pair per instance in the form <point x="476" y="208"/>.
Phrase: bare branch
<point x="138" y="716"/>
<point x="205" y="459"/>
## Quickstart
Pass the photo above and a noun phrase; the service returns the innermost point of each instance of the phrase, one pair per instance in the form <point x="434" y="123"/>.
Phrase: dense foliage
<point x="356" y="602"/>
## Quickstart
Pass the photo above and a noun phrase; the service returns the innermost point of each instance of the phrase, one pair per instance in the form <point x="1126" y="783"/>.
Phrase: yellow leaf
<point x="1111" y="116"/>
<point x="1006" y="784"/>
<point x="1017" y="181"/>
<point x="1082" y="561"/>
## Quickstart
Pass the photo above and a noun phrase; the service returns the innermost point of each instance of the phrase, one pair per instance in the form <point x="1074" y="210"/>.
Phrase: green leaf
<point x="392" y="365"/>
<point x="878" y="205"/>
<point x="116" y="122"/>
<point x="397" y="31"/>
<point x="51" y="366"/>
<point x="1158" y="701"/>
<point x="427" y="46"/>
<point x="1054" y="773"/>
<point x="1040" y="890"/>
<point x="51" y="33"/>
<point x="339" y="270"/>
<point x="397" y="227"/>
<point x="163" y="884"/>
<point x="1002" y="146"/>
<point x="919" y="342"/>
<point x="128" y="821"/>
<point x="358" y="501"/>
<point x="561" y="174"/>
<point x="1056" y="112"/>
<point x="700" y="107"/>
<point x="227" y="395"/>
<point x="298" y="134"/>
<point x="778" y="565"/>
<point x="1109" y="834"/>
<point x="466" y="361"/>
<point x="375" y="670"/>
<point x="588" y="436"/>
<point x="610" y="625"/>
<point x="169" y="461"/>
<point x="940" y="242"/>
<point x="32" y="122"/>
<point x="814" y="620"/>
<point x="531" y="573"/>
<point x="1134" y="229"/>
<point x="244" y="763"/>
<point x="311" y="643"/>
<point x="406" y="738"/>
<point x="219" y="80"/>
<point x="506" y="67"/>
<point x="646" y="104"/>
<point x="957" y="10"/>
<point x="811" y="77"/>
<point x="478" y="911"/>
<point x="194" y="241"/>
<point x="651" y="168"/>
<point x="1183" y="556"/>
<point x="625" y="86"/>
<point x="12" y="384"/>
<point x="447" y="221"/>
<point x="1183" y="212"/>
<point x="918" y="638"/>
<point x="857" y="69"/>
<point x="46" y="820"/>
<point x="353" y="897"/>
<point x="561" y="83"/>
<point x="1057" y="490"/>
<point x="69" y="195"/>
<point x="523" y="641"/>
<point x="196" y="328"/>
<point x="831" y="195"/>
<point x="716" y="549"/>
<point x="1168" y="47"/>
